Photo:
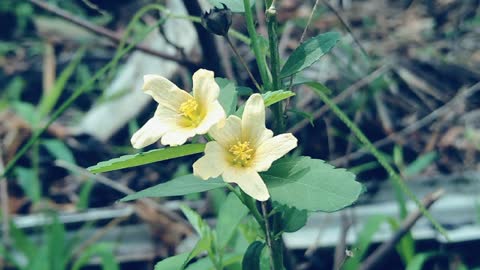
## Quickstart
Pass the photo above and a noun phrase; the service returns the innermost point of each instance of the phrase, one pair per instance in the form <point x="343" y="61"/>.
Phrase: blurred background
<point x="406" y="71"/>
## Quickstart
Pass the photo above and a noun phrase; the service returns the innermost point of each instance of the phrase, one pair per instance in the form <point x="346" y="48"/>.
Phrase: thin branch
<point x="302" y="38"/>
<point x="102" y="31"/>
<point x="243" y="63"/>
<point x="345" y="24"/>
<point x="6" y="241"/>
<point x="383" y="251"/>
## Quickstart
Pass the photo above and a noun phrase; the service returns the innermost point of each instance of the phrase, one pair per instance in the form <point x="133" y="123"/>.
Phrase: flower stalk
<point x="240" y="58"/>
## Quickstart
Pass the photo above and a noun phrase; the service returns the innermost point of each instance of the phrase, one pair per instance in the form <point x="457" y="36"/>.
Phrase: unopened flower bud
<point x="218" y="20"/>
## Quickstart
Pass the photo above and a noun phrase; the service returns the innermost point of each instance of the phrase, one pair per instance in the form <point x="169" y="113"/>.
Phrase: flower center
<point x="242" y="153"/>
<point x="189" y="109"/>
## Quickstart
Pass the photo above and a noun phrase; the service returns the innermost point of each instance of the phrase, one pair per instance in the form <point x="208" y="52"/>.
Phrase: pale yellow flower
<point x="179" y="115"/>
<point x="242" y="148"/>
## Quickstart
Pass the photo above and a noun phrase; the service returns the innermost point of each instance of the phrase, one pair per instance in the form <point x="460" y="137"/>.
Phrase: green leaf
<point x="28" y="180"/>
<point x="311" y="184"/>
<point x="84" y="197"/>
<point x="319" y="86"/>
<point x="406" y="245"/>
<point x="177" y="187"/>
<point x="293" y="219"/>
<point x="49" y="100"/>
<point x="420" y="164"/>
<point x="231" y="214"/>
<point x="305" y="115"/>
<point x="59" y="150"/>
<point x="420" y="259"/>
<point x="206" y="263"/>
<point x="103" y="251"/>
<point x="228" y="95"/>
<point x="269" y="99"/>
<point x="26" y="111"/>
<point x="174" y="262"/>
<point x="56" y="244"/>
<point x="195" y="219"/>
<point x="273" y="97"/>
<point x="251" y="259"/>
<point x="234" y="5"/>
<point x="309" y="52"/>
<point x="203" y="230"/>
<point x="143" y="158"/>
<point x="22" y="242"/>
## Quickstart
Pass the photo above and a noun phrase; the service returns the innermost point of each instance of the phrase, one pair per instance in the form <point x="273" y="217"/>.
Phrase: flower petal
<point x="227" y="133"/>
<point x="205" y="89"/>
<point x="178" y="136"/>
<point x="155" y="128"/>
<point x="253" y="120"/>
<point x="248" y="180"/>
<point x="214" y="115"/>
<point x="212" y="164"/>
<point x="164" y="91"/>
<point x="273" y="149"/>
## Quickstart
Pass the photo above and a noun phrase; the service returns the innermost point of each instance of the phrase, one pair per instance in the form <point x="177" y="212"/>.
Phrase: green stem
<point x="249" y="203"/>
<point x="274" y="245"/>
<point x="271" y="15"/>
<point x="261" y="63"/>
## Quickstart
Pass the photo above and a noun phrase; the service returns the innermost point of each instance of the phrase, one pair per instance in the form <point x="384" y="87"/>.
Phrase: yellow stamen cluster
<point x="189" y="108"/>
<point x="242" y="153"/>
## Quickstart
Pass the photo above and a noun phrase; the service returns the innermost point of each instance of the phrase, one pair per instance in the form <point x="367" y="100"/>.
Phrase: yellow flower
<point x="242" y="148"/>
<point x="179" y="115"/>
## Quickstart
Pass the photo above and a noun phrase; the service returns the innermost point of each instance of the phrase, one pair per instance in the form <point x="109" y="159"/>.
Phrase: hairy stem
<point x="271" y="15"/>
<point x="262" y="65"/>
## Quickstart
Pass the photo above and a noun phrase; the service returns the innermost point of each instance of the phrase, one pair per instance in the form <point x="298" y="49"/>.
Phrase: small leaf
<point x="234" y="5"/>
<point x="143" y="158"/>
<point x="293" y="219"/>
<point x="319" y="86"/>
<point x="174" y="262"/>
<point x="309" y="52"/>
<point x="177" y="187"/>
<point x="251" y="259"/>
<point x="311" y="184"/>
<point x="420" y="259"/>
<point x="196" y="220"/>
<point x="59" y="150"/>
<point x="29" y="182"/>
<point x="228" y="95"/>
<point x="305" y="115"/>
<point x="103" y="251"/>
<point x="231" y="214"/>
<point x="273" y="97"/>
<point x="269" y="99"/>
<point x="420" y="164"/>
